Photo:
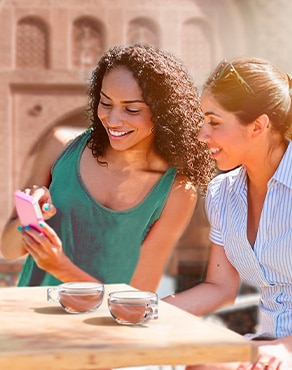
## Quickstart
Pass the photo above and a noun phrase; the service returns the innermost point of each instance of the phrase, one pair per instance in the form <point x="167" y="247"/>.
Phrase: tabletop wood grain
<point x="40" y="335"/>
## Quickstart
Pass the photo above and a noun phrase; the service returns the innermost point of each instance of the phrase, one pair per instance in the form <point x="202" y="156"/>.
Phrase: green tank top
<point x="103" y="242"/>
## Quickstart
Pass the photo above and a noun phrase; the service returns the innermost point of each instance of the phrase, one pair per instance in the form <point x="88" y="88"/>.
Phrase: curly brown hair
<point x="172" y="97"/>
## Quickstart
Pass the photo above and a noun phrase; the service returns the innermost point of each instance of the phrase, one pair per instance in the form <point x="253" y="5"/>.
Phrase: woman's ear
<point x="260" y="124"/>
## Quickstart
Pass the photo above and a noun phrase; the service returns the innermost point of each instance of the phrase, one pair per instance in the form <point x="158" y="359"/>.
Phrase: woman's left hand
<point x="44" y="246"/>
<point x="272" y="355"/>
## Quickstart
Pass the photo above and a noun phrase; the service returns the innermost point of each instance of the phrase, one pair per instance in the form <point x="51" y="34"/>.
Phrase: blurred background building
<point x="49" y="47"/>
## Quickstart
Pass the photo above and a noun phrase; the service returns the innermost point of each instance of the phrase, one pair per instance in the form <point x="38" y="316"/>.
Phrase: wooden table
<point x="40" y="335"/>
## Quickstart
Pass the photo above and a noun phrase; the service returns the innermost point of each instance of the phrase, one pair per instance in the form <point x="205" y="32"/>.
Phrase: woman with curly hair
<point x="117" y="197"/>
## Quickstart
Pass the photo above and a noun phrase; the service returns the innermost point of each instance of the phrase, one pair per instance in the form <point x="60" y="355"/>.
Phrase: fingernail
<point x="47" y="206"/>
<point x="19" y="228"/>
<point x="26" y="227"/>
<point x="41" y="224"/>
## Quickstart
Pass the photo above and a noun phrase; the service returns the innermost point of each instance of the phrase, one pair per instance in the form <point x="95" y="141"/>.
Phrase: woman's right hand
<point x="43" y="196"/>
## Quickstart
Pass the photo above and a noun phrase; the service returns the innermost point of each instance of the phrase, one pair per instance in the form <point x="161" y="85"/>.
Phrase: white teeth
<point x="214" y="150"/>
<point x="117" y="133"/>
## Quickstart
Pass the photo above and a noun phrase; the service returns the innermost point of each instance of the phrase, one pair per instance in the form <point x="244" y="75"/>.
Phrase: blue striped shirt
<point x="268" y="265"/>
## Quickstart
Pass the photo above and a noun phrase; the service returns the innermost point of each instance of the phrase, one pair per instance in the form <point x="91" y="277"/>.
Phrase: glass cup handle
<point x="151" y="311"/>
<point x="52" y="295"/>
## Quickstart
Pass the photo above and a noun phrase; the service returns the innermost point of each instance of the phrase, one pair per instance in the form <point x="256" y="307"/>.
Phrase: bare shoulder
<point x="57" y="139"/>
<point x="183" y="196"/>
<point x="179" y="207"/>
<point x="183" y="189"/>
<point x="65" y="134"/>
<point x="40" y="162"/>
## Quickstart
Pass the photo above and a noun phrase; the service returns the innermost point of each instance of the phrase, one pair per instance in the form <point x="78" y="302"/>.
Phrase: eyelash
<point x="213" y="123"/>
<point x="108" y="106"/>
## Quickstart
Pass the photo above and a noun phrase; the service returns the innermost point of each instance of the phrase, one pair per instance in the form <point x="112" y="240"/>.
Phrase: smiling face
<point x="228" y="140"/>
<point x="123" y="112"/>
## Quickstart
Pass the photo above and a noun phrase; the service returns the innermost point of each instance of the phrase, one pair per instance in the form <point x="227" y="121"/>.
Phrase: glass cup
<point x="133" y="307"/>
<point x="77" y="297"/>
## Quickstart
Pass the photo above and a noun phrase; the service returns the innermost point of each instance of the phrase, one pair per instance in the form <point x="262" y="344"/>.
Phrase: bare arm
<point x="12" y="246"/>
<point x="219" y="288"/>
<point x="164" y="234"/>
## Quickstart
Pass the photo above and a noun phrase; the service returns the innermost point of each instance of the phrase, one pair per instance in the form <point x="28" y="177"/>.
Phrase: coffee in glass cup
<point x="77" y="297"/>
<point x="133" y="307"/>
